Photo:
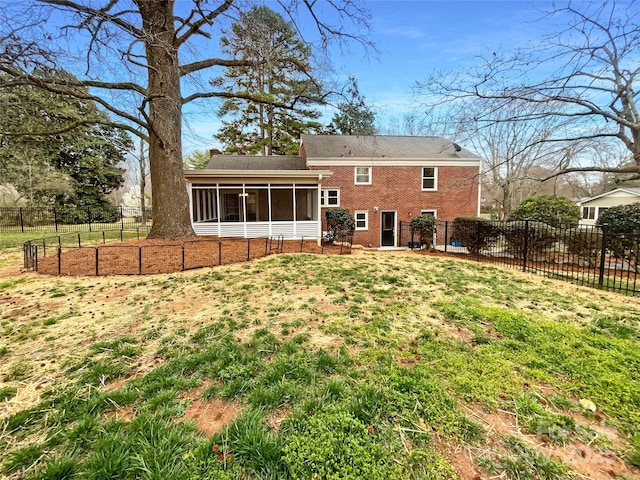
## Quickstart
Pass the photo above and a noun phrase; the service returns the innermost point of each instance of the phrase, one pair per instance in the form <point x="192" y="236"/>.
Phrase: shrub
<point x="549" y="209"/>
<point x="528" y="241"/>
<point x="623" y="228"/>
<point x="424" y="226"/>
<point x="340" y="224"/>
<point x="106" y="213"/>
<point x="475" y="233"/>
<point x="585" y="244"/>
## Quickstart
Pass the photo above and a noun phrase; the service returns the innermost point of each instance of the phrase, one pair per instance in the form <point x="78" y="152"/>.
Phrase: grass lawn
<point x="365" y="366"/>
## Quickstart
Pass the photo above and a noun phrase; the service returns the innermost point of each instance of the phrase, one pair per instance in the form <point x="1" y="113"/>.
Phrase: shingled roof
<point x="382" y="146"/>
<point x="253" y="162"/>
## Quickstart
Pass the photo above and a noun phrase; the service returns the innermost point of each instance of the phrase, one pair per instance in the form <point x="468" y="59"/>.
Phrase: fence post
<point x="36" y="259"/>
<point x="266" y="246"/>
<point x="25" y="247"/>
<point x="248" y="249"/>
<point x="104" y="240"/>
<point x="301" y="243"/>
<point x="21" y="221"/>
<point x="121" y="219"/>
<point x="219" y="252"/>
<point x="603" y="251"/>
<point x="89" y="217"/>
<point x="183" y="257"/>
<point x="59" y="260"/>
<point x="526" y="246"/>
<point x="140" y="260"/>
<point x="55" y="218"/>
<point x="478" y="240"/>
<point x="446" y="235"/>
<point x="79" y="242"/>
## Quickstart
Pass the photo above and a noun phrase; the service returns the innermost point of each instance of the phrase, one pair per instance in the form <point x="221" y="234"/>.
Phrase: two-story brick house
<point x="382" y="180"/>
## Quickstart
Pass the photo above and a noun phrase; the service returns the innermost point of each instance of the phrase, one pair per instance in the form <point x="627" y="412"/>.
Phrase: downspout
<point x="319" y="209"/>
<point x="190" y="197"/>
<point x="479" y="189"/>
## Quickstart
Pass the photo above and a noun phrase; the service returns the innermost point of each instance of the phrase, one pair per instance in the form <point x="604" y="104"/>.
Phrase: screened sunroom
<point x="256" y="197"/>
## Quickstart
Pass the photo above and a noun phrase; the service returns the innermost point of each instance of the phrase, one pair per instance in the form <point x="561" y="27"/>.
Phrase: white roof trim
<point x="315" y="174"/>
<point x="389" y="162"/>
<point x="606" y="194"/>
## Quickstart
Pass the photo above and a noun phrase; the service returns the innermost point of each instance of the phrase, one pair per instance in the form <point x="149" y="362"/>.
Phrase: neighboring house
<point x="594" y="206"/>
<point x="381" y="180"/>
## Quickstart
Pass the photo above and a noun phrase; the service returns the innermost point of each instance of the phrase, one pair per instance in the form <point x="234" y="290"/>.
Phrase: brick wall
<point x="398" y="189"/>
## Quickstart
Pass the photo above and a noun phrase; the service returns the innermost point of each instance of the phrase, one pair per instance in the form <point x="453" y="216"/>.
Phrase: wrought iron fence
<point x="33" y="219"/>
<point x="587" y="255"/>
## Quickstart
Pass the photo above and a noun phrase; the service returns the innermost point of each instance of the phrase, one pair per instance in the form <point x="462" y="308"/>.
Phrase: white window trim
<point x="355" y="176"/>
<point x="589" y="212"/>
<point x="366" y="219"/>
<point x="324" y="197"/>
<point x="430" y="210"/>
<point x="435" y="180"/>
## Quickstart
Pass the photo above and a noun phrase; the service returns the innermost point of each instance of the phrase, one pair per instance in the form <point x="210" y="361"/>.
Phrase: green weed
<point x="336" y="445"/>
<point x="7" y="393"/>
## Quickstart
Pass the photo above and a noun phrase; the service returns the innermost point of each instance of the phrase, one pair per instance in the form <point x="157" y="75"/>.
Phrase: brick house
<point x="381" y="180"/>
<point x="384" y="180"/>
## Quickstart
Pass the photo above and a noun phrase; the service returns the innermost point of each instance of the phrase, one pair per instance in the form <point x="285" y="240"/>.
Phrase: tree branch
<point x="564" y="171"/>
<point x="211" y="62"/>
<point x="205" y="19"/>
<point x="101" y="14"/>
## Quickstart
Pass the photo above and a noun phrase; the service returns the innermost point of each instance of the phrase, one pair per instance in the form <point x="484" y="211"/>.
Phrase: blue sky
<point x="414" y="39"/>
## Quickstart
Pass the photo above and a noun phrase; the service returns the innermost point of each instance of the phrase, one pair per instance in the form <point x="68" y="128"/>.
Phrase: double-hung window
<point x="330" y="197"/>
<point x="429" y="178"/>
<point x="362" y="219"/>
<point x="589" y="213"/>
<point x="362" y="175"/>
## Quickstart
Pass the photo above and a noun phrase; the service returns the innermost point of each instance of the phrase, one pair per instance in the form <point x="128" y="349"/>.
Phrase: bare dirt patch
<point x="586" y="460"/>
<point x="149" y="256"/>
<point x="211" y="415"/>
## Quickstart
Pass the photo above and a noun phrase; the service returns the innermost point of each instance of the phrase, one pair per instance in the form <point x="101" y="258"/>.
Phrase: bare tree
<point x="586" y="72"/>
<point x="516" y="155"/>
<point x="154" y="43"/>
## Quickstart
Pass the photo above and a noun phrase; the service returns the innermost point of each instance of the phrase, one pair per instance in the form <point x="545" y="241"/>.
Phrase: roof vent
<point x="457" y="147"/>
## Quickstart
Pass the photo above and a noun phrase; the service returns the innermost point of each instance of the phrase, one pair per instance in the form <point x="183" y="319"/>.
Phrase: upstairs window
<point x="362" y="175"/>
<point x="429" y="178"/>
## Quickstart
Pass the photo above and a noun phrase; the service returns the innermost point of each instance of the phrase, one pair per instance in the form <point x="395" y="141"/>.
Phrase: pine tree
<point x="278" y="89"/>
<point x="355" y="117"/>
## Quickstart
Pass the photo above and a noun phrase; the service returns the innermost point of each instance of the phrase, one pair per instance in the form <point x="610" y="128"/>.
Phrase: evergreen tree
<point x="355" y="117"/>
<point x="274" y="94"/>
<point x="58" y="150"/>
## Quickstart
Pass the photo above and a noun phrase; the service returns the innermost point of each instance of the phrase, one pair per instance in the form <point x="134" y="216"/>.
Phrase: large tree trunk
<point x="170" y="200"/>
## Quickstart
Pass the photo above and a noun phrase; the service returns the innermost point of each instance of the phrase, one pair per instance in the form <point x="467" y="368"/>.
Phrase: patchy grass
<point x="365" y="366"/>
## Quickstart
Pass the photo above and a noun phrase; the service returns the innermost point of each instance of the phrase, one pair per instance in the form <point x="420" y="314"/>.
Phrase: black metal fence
<point x="33" y="219"/>
<point x="589" y="255"/>
<point x="112" y="252"/>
